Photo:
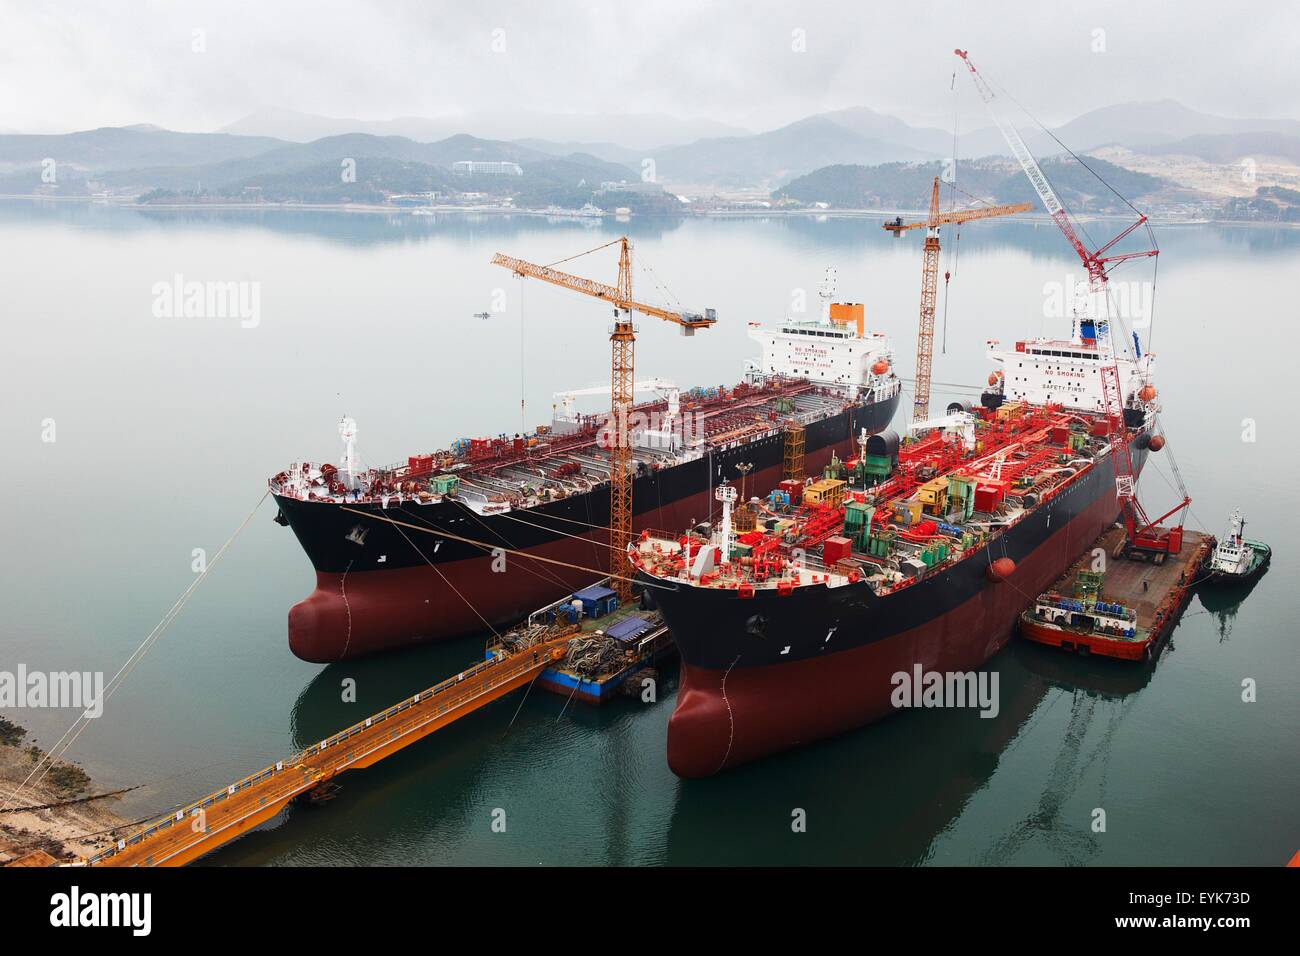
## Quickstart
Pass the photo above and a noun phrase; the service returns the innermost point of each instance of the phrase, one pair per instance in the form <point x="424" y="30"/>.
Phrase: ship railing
<point x="296" y="761"/>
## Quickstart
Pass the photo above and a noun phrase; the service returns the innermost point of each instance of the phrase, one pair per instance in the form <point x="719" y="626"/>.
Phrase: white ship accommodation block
<point x="832" y="349"/>
<point x="1040" y="371"/>
<point x="833" y="352"/>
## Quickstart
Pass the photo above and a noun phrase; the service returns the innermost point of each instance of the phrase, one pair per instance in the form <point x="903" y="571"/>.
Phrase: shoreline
<point x="68" y="817"/>
<point x="494" y="210"/>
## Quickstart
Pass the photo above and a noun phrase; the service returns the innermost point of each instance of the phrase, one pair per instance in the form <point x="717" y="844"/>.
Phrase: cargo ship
<point x="917" y="554"/>
<point x="475" y="536"/>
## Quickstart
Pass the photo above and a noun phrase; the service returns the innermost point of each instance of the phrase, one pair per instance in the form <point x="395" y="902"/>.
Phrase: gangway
<point x="212" y="821"/>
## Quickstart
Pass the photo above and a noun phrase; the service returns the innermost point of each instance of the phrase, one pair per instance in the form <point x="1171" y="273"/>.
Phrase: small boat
<point x="1237" y="559"/>
<point x="1087" y="623"/>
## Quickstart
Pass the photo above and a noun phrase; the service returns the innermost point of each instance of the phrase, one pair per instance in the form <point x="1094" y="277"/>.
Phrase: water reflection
<point x="1224" y="602"/>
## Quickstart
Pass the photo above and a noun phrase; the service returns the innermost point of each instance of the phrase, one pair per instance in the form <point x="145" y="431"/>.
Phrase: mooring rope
<point x="62" y="745"/>
<point x="485" y="546"/>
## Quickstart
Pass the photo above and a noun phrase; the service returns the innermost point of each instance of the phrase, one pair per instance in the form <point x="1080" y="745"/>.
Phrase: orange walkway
<point x="220" y="817"/>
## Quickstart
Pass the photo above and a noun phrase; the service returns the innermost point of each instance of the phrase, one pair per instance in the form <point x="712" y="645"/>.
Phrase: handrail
<point x="509" y="666"/>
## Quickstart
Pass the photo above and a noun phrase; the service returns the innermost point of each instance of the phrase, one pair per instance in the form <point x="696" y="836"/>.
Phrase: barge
<point x="609" y="650"/>
<point x="1124" y="612"/>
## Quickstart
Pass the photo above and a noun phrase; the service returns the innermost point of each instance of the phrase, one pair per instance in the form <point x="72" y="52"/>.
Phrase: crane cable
<point x="60" y="747"/>
<point x="1095" y="175"/>
<point x="490" y="547"/>
<point x="579" y="255"/>
<point x="1151" y="236"/>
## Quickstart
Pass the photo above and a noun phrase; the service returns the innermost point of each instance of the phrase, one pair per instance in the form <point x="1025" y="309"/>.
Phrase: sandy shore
<point x="65" y="832"/>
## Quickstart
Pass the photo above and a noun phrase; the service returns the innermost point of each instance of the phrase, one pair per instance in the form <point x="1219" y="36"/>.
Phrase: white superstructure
<point x="1067" y="373"/>
<point x="833" y="349"/>
<point x="1233" y="555"/>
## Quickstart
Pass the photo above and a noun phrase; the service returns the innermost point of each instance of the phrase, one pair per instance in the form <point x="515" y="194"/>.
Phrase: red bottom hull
<point x="351" y="614"/>
<point x="726" y="718"/>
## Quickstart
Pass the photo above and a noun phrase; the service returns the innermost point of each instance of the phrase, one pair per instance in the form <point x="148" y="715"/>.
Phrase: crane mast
<point x="925" y="327"/>
<point x="622" y="378"/>
<point x="930" y="285"/>
<point x="623" y="374"/>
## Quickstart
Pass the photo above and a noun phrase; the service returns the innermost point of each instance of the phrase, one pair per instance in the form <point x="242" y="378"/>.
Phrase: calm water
<point x="168" y="428"/>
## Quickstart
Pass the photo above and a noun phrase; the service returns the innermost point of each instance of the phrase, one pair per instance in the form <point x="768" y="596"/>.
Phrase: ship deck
<point x="566" y="458"/>
<point x="1022" y="454"/>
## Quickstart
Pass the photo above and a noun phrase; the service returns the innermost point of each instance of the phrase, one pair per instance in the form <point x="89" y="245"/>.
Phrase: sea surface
<point x="166" y="428"/>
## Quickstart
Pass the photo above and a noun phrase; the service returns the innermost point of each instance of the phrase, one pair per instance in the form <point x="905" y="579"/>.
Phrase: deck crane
<point x="930" y="283"/>
<point x="623" y="344"/>
<point x="1142" y="534"/>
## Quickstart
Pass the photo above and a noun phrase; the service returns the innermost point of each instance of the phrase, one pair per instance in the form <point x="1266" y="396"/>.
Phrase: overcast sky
<point x="77" y="65"/>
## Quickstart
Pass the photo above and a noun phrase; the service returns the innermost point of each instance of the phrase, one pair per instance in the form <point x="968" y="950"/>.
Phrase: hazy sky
<point x="74" y="65"/>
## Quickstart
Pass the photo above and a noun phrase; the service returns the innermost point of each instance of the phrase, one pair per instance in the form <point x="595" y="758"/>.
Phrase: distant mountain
<point x="783" y="153"/>
<point x="610" y="152"/>
<point x="362" y="147"/>
<point x="890" y="129"/>
<point x="865" y="137"/>
<point x="587" y="149"/>
<point x="321" y="183"/>
<point x="1233" y="147"/>
<point x="383" y="166"/>
<point x="131" y="146"/>
<point x="908" y="185"/>
<point x="637" y="131"/>
<point x="1136" y="126"/>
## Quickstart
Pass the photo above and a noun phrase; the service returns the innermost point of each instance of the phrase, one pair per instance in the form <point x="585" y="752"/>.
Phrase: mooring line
<point x="60" y="748"/>
<point x="485" y="546"/>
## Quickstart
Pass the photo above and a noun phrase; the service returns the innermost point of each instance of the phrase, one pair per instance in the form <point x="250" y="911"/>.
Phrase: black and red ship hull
<point x="382" y="584"/>
<point x="771" y="672"/>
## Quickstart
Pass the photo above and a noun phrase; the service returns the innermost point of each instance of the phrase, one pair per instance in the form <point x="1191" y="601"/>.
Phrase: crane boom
<point x="622" y="374"/>
<point x="961" y="215"/>
<point x="1094" y="261"/>
<point x="600" y="290"/>
<point x="1098" y="264"/>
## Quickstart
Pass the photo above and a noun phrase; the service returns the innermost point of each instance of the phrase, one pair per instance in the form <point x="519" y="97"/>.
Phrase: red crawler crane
<point x="1143" y="535"/>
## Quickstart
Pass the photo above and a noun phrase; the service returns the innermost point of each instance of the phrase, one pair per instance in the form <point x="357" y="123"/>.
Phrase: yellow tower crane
<point x="623" y="345"/>
<point x="930" y="283"/>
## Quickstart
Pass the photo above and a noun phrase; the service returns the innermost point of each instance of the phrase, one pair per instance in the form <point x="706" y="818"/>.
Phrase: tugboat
<point x="1237" y="559"/>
